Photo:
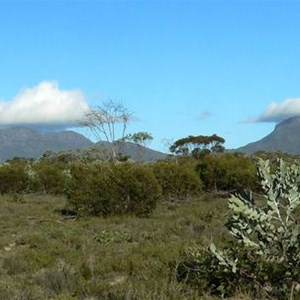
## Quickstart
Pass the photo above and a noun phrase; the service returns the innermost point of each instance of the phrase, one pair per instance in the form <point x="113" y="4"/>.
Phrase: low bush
<point x="178" y="179"/>
<point x="113" y="189"/>
<point x="13" y="178"/>
<point x="49" y="177"/>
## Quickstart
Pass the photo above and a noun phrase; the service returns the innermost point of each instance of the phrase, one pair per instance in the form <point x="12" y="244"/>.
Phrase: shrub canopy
<point x="113" y="189"/>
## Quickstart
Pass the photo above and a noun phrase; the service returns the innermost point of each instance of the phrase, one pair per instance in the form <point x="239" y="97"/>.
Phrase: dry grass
<point x="44" y="255"/>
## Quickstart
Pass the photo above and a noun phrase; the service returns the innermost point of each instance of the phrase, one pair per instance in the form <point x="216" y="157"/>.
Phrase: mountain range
<point x="30" y="143"/>
<point x="284" y="138"/>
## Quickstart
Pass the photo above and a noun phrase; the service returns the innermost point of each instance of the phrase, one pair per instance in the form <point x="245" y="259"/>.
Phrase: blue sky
<point x="183" y="67"/>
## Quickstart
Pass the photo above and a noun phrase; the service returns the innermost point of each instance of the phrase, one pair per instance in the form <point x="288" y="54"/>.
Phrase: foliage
<point x="108" y="189"/>
<point x="265" y="259"/>
<point x="63" y="157"/>
<point x="198" y="146"/>
<point x="227" y="172"/>
<point x="274" y="156"/>
<point x="140" y="138"/>
<point x="178" y="179"/>
<point x="13" y="178"/>
<point x="49" y="177"/>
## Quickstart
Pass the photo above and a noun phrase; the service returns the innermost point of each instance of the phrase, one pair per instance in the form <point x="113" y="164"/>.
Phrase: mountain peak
<point x="285" y="138"/>
<point x="20" y="141"/>
<point x="294" y="121"/>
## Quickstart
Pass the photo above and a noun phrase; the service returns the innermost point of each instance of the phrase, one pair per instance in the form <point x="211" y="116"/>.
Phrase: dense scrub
<point x="227" y="172"/>
<point x="178" y="179"/>
<point x="53" y="247"/>
<point x="13" y="178"/>
<point x="103" y="188"/>
<point x="49" y="177"/>
<point x="113" y="189"/>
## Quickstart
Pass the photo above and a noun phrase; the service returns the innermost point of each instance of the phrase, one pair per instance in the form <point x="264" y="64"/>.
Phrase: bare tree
<point x="107" y="122"/>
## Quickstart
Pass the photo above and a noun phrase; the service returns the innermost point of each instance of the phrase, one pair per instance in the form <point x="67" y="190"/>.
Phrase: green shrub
<point x="113" y="189"/>
<point x="227" y="172"/>
<point x="13" y="178"/>
<point x="178" y="179"/>
<point x="49" y="177"/>
<point x="264" y="260"/>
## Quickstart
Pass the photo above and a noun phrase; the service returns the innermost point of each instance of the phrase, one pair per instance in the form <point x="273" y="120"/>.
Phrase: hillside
<point x="29" y="143"/>
<point x="284" y="138"/>
<point x="135" y="152"/>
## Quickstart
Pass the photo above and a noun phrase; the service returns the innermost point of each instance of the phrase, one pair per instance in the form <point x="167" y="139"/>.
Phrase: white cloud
<point x="277" y="112"/>
<point x="44" y="105"/>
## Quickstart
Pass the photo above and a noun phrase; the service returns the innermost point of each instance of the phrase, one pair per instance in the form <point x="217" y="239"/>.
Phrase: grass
<point x="44" y="255"/>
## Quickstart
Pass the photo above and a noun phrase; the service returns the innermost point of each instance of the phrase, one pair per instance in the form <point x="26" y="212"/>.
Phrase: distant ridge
<point x="285" y="138"/>
<point x="30" y="143"/>
<point x="137" y="152"/>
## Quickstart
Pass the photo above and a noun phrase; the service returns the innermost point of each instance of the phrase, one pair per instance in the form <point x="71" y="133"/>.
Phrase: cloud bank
<point x="45" y="105"/>
<point x="277" y="112"/>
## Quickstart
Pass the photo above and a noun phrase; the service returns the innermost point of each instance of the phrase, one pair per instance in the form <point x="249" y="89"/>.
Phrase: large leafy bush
<point x="227" y="172"/>
<point x="113" y="189"/>
<point x="13" y="178"/>
<point x="264" y="260"/>
<point x="178" y="178"/>
<point x="49" y="177"/>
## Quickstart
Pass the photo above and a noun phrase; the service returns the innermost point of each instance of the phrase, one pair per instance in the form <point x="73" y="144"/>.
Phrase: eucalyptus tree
<point x="198" y="145"/>
<point x="142" y="139"/>
<point x="108" y="122"/>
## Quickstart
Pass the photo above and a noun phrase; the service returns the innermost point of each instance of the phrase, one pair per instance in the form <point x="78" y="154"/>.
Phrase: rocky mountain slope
<point x="284" y="138"/>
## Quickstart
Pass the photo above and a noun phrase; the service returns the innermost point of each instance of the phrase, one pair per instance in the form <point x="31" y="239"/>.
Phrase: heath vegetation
<point x="201" y="224"/>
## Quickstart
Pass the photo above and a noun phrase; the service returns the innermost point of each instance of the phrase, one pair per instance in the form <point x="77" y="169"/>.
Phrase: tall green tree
<point x="198" y="146"/>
